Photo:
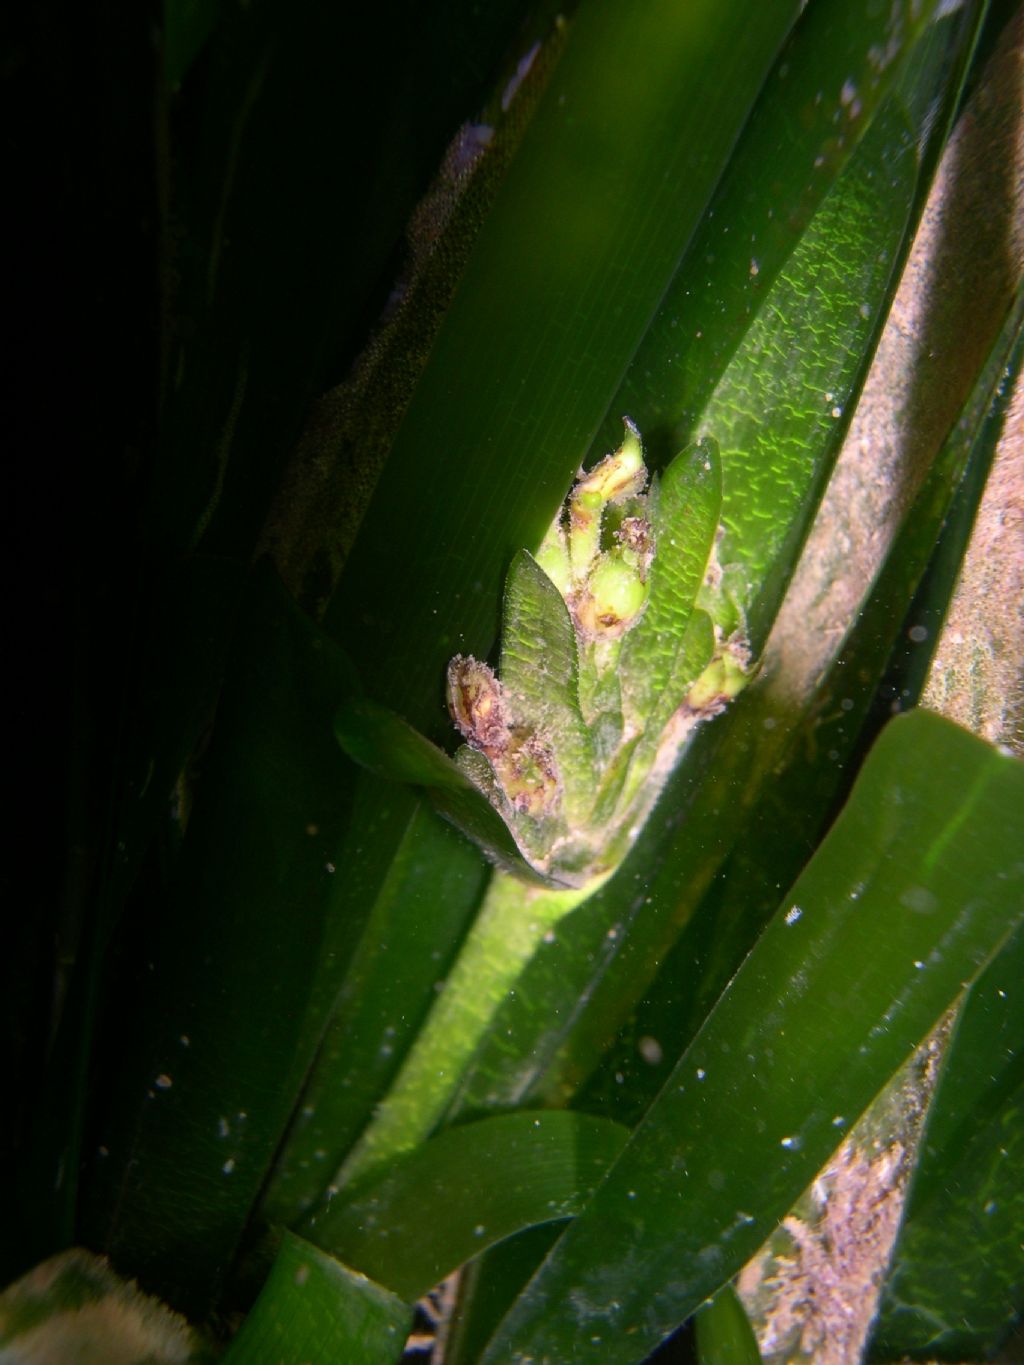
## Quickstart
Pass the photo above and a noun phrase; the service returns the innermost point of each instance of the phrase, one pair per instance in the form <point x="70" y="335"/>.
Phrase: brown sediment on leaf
<point x="977" y="673"/>
<point x="813" y="1289"/>
<point x="476" y="702"/>
<point x="963" y="267"/>
<point x="636" y="536"/>
<point x="335" y="466"/>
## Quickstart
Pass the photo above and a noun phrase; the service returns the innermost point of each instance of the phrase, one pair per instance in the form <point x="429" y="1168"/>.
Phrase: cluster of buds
<point x="608" y="663"/>
<point x="605" y="585"/>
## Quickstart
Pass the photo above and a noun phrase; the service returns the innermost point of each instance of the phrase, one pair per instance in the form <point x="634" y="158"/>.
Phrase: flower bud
<point x="619" y="475"/>
<point x="612" y="599"/>
<point x="636" y="540"/>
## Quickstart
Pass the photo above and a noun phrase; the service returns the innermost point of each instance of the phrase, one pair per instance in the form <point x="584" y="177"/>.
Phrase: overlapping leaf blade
<point x="486" y="449"/>
<point x="549" y="1163"/>
<point x="810" y="339"/>
<point x="539" y="669"/>
<point x="946" y="1296"/>
<point x="513" y="452"/>
<point x="421" y="903"/>
<point x="607" y="188"/>
<point x="198" y="1091"/>
<point x="829" y="83"/>
<point x="685" y="521"/>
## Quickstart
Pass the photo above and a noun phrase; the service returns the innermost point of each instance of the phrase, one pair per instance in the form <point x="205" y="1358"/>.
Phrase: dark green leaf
<point x="273" y="273"/>
<point x="724" y="1333"/>
<point x="423" y="898"/>
<point x="224" y="988"/>
<point x="687" y="506"/>
<point x="187" y="27"/>
<point x="607" y="188"/>
<point x="825" y="90"/>
<point x="390" y="748"/>
<point x="812" y="341"/>
<point x="913" y="891"/>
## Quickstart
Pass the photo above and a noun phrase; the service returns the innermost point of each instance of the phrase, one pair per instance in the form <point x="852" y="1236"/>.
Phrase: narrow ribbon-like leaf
<point x="778" y="439"/>
<point x="957" y="1280"/>
<point x="724" y="1333"/>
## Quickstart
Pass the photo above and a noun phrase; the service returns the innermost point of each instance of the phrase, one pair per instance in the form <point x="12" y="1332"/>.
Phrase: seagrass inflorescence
<point x="610" y="658"/>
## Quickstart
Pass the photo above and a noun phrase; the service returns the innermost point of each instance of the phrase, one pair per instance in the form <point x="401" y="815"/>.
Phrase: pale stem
<point x="513" y="919"/>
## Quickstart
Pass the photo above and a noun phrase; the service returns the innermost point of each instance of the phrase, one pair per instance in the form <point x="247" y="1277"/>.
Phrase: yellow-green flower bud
<point x="619" y="475"/>
<point x="724" y="678"/>
<point x="612" y="599"/>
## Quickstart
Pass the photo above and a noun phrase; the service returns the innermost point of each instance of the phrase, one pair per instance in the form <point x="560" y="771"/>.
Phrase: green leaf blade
<point x="808" y="122"/>
<point x="848" y="256"/>
<point x="540" y="673"/>
<point x="549" y="1163"/>
<point x="956" y="1283"/>
<point x="919" y="882"/>
<point x="687" y="507"/>
<point x="312" y="1308"/>
<point x="724" y="1332"/>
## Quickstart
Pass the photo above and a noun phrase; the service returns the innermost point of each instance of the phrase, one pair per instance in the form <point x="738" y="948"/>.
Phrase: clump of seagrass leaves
<point x="610" y="657"/>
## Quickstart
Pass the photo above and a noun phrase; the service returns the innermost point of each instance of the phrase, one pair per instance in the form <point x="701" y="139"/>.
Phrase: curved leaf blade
<point x="606" y="190"/>
<point x="471" y="1187"/>
<point x="539" y="668"/>
<point x="813" y="340"/>
<point x="724" y="1332"/>
<point x="386" y="745"/>
<point x="315" y="1310"/>
<point x="915" y="888"/>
